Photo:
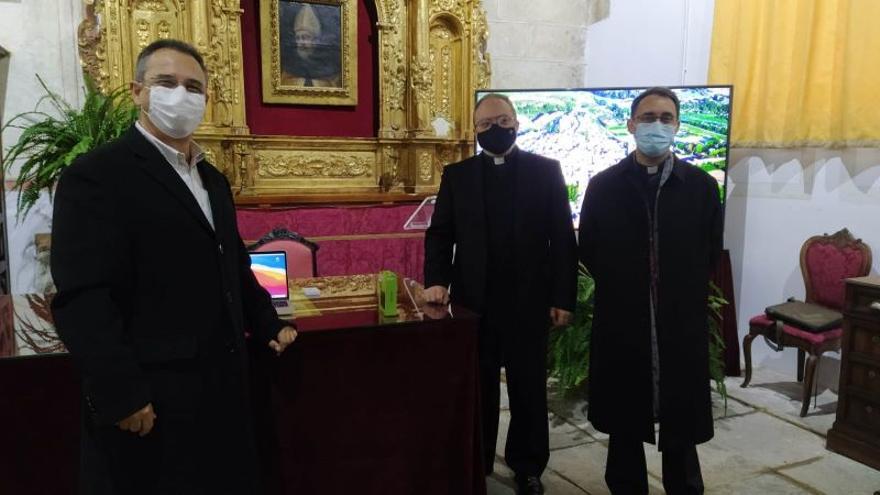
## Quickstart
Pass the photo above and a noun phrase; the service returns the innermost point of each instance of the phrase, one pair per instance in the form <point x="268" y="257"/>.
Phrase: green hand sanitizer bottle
<point x="387" y="291"/>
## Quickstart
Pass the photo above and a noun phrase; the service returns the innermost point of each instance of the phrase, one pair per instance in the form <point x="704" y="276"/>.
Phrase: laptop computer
<point x="270" y="268"/>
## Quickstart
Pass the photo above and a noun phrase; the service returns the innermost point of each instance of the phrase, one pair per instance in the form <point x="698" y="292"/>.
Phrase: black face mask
<point x="497" y="139"/>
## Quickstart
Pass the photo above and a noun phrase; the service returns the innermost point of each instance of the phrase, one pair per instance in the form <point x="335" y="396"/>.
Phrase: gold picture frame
<point x="309" y="50"/>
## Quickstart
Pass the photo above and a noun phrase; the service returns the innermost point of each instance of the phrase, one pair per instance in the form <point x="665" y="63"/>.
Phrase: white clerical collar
<point x="502" y="158"/>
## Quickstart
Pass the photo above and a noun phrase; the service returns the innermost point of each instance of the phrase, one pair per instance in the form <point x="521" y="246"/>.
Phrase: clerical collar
<point x="650" y="170"/>
<point x="501" y="159"/>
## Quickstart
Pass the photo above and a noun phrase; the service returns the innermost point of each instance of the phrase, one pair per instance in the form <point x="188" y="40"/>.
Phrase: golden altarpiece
<point x="431" y="59"/>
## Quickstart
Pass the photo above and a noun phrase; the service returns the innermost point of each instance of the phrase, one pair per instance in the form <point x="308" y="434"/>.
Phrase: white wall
<point x="41" y="38"/>
<point x="778" y="199"/>
<point x="650" y="43"/>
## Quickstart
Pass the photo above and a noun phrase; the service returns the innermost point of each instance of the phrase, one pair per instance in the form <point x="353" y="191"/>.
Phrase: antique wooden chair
<point x="302" y="254"/>
<point x="826" y="261"/>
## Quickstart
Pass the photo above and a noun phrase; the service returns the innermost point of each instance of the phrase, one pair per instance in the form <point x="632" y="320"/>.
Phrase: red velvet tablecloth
<point x="358" y="406"/>
<point x="355" y="406"/>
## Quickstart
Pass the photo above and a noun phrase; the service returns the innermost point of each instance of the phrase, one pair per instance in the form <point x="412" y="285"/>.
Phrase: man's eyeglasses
<point x="649" y="118"/>
<point x="502" y="120"/>
<point x="191" y="86"/>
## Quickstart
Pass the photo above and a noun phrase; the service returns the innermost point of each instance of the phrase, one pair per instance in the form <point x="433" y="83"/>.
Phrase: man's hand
<point x="140" y="422"/>
<point x="435" y="311"/>
<point x="560" y="317"/>
<point x="285" y="337"/>
<point x="437" y="295"/>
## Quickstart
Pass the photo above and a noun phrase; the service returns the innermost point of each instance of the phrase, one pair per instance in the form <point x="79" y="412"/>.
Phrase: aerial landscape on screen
<point x="585" y="129"/>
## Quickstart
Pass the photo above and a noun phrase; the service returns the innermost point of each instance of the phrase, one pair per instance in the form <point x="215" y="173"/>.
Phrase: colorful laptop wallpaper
<point x="271" y="272"/>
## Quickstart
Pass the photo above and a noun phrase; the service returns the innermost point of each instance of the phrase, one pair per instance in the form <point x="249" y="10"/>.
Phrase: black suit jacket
<point x="143" y="280"/>
<point x="544" y="245"/>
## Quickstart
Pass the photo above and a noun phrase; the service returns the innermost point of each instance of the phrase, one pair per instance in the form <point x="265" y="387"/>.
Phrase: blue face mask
<point x="654" y="138"/>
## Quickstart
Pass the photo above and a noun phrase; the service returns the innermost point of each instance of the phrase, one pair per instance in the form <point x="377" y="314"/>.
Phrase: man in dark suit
<point x="650" y="234"/>
<point x="501" y="242"/>
<point x="155" y="294"/>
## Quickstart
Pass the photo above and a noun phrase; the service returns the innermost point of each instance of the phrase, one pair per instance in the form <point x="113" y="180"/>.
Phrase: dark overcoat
<point x="614" y="246"/>
<point x="545" y="254"/>
<point x="153" y="304"/>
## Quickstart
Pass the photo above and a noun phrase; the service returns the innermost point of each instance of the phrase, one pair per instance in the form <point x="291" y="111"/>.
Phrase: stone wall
<point x="540" y="43"/>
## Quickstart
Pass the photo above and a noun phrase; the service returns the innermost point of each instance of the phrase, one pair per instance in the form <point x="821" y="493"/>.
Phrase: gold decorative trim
<point x="432" y="56"/>
<point x="426" y="166"/>
<point x="313" y="165"/>
<point x="341" y="286"/>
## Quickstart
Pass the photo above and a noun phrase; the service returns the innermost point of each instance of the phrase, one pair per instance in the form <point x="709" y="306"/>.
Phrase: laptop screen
<point x="270" y="268"/>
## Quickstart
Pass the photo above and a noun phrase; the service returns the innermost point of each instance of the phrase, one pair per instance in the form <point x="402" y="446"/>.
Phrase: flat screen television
<point x="585" y="129"/>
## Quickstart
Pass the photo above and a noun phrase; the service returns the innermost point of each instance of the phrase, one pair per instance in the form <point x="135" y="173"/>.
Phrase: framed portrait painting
<point x="309" y="50"/>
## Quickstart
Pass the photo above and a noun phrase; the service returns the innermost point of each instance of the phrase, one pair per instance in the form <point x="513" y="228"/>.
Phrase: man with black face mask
<point x="504" y="214"/>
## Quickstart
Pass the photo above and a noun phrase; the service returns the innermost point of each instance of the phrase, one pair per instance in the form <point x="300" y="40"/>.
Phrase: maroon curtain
<point x="353" y="239"/>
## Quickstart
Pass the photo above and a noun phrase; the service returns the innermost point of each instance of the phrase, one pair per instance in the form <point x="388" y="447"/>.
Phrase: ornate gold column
<point x="431" y="59"/>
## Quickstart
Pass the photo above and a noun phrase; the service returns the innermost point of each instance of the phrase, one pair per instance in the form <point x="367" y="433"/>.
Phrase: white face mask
<point x="176" y="112"/>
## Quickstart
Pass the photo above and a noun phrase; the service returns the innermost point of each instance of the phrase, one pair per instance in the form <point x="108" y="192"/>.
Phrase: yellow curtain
<point x="805" y="72"/>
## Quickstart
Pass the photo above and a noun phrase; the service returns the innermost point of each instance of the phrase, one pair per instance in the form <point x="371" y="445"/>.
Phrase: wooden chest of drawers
<point x="856" y="431"/>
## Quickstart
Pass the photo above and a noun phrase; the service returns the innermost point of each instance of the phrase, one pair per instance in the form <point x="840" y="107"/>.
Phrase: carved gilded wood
<point x="432" y="56"/>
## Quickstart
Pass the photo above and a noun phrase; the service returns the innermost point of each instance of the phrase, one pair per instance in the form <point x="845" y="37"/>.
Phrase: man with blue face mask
<point x="650" y="234"/>
<point x="155" y="293"/>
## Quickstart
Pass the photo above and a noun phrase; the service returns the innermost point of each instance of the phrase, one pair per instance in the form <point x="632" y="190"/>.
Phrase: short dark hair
<point x="656" y="91"/>
<point x="176" y="45"/>
<point x="496" y="96"/>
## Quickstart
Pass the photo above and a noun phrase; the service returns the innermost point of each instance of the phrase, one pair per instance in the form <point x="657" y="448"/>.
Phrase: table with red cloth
<point x="359" y="404"/>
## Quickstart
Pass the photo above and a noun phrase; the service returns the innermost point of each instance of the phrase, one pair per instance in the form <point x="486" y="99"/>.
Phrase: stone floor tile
<point x="583" y="465"/>
<point x="745" y="446"/>
<point x="780" y="394"/>
<point x="503" y="426"/>
<point x="734" y="406"/>
<point x="556" y="485"/>
<point x="764" y="484"/>
<point x="505" y="401"/>
<point x="761" y="445"/>
<point x="502" y="483"/>
<point x="562" y="434"/>
<point x="496" y="487"/>
<point x="833" y="473"/>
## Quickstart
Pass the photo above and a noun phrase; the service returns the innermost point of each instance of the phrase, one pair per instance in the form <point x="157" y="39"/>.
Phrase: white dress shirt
<point x="188" y="172"/>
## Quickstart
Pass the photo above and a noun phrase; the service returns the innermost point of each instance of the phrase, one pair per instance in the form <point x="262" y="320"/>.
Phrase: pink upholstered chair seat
<point x="814" y="338"/>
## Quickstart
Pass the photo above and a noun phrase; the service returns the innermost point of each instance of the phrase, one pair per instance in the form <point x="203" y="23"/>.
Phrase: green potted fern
<point x="53" y="138"/>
